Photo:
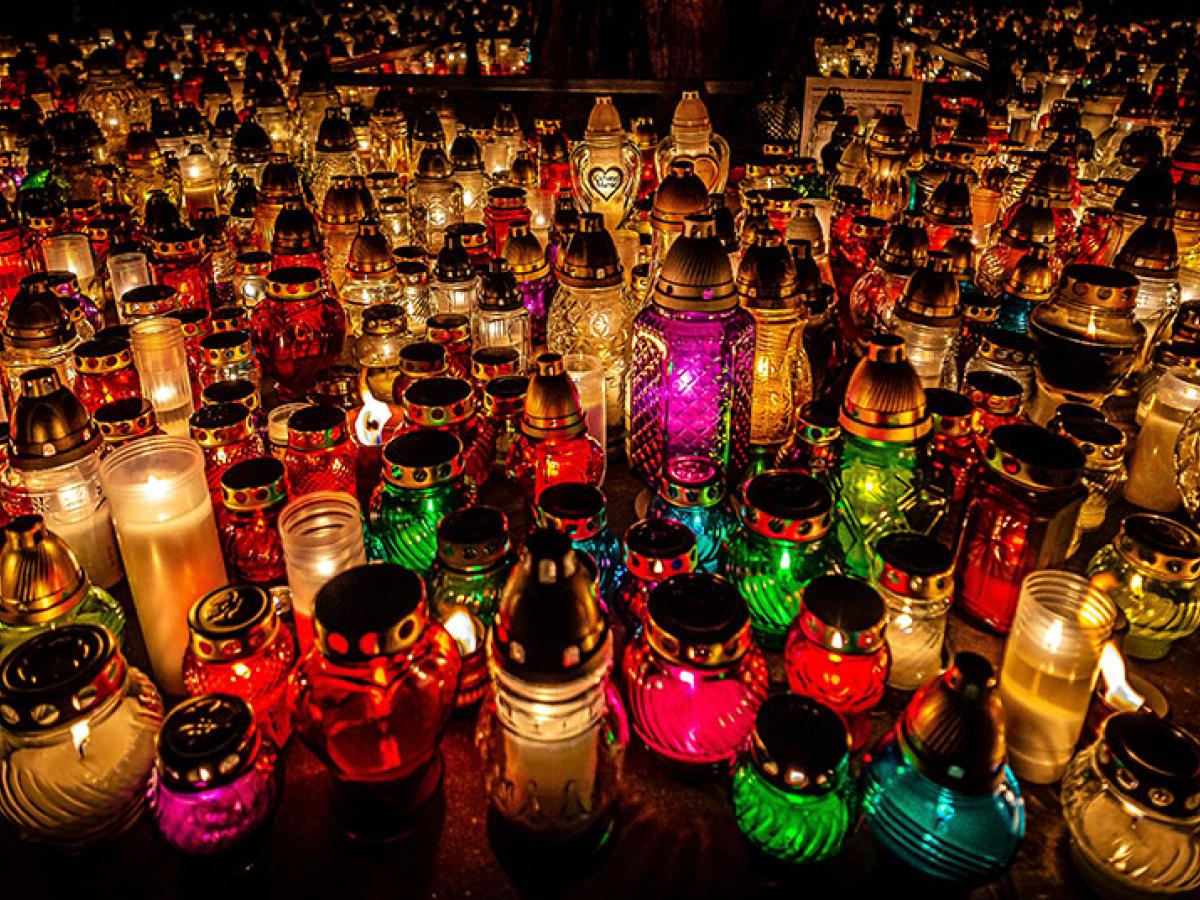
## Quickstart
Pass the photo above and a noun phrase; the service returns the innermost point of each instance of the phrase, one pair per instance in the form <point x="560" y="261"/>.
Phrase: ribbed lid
<point x="696" y="275"/>
<point x="766" y="278"/>
<point x="590" y="259"/>
<point x="680" y="194"/>
<point x="40" y="578"/>
<point x="50" y="427"/>
<point x="884" y="398"/>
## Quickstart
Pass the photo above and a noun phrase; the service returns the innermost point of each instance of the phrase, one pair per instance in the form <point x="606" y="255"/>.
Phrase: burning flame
<point x="1091" y="328"/>
<point x="80" y="732"/>
<point x="374" y="415"/>
<point x="1117" y="692"/>
<point x="462" y="628"/>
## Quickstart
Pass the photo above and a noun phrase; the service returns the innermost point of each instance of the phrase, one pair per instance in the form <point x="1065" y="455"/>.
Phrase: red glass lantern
<point x="836" y="652"/>
<point x="442" y="404"/>
<point x="374" y="695"/>
<point x="298" y="331"/>
<point x="505" y="207"/>
<point x="180" y="261"/>
<point x="953" y="457"/>
<point x="500" y="423"/>
<point x="253" y="493"/>
<point x="196" y="327"/>
<point x="452" y="331"/>
<point x="104" y="372"/>
<point x="19" y="257"/>
<point x="225" y="434"/>
<point x="239" y="646"/>
<point x="320" y="455"/>
<point x="995" y="401"/>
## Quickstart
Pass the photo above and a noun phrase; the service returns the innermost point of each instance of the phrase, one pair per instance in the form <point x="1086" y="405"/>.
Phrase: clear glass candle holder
<point x="161" y="358"/>
<point x="587" y="374"/>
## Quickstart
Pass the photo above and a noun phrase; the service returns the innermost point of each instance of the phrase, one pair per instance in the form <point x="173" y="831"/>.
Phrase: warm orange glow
<point x="462" y="628"/>
<point x="371" y="419"/>
<point x="1117" y="692"/>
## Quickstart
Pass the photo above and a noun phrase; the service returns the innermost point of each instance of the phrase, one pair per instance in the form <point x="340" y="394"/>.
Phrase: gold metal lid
<point x="696" y="275"/>
<point x="590" y="258"/>
<point x="254" y="484"/>
<point x="884" y="399"/>
<point x="681" y="193"/>
<point x="422" y="458"/>
<point x="40" y="578"/>
<point x="1100" y="286"/>
<point x="785" y="505"/>
<point x="766" y="278"/>
<point x="552" y="406"/>
<point x="524" y="253"/>
<point x="698" y="619"/>
<point x="1032" y="278"/>
<point x="232" y="622"/>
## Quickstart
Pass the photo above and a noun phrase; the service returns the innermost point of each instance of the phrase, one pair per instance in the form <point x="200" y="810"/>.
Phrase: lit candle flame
<point x="462" y="628"/>
<point x="1117" y="692"/>
<point x="80" y="732"/>
<point x="368" y="426"/>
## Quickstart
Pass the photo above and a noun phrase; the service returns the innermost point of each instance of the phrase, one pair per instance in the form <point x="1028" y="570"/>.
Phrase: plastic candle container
<point x="836" y="652"/>
<point x="1151" y="483"/>
<point x="162" y="366"/>
<point x="937" y="792"/>
<point x="916" y="582"/>
<point x="692" y="492"/>
<point x="163" y="517"/>
<point x="778" y="548"/>
<point x="238" y="646"/>
<point x="322" y="535"/>
<point x="794" y="796"/>
<point x="216" y="782"/>
<point x="695" y="679"/>
<point x="78" y="738"/>
<point x="373" y="696"/>
<point x="1050" y="662"/>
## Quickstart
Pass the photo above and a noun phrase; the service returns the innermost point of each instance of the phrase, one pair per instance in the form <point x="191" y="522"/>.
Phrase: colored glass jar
<point x="253" y="493"/>
<point x="578" y="510"/>
<point x="43" y="586"/>
<point x="37" y="333"/>
<point x="1103" y="447"/>
<point x="1151" y="570"/>
<point x="373" y="696"/>
<point x="779" y="546"/>
<point x="916" y="582"/>
<point x="505" y="207"/>
<point x="455" y="282"/>
<point x="228" y="356"/>
<point x="474" y="558"/>
<point x="126" y="420"/>
<point x="836" y="652"/>
<point x="1004" y="353"/>
<point x="794" y="796"/>
<point x="1020" y="517"/>
<point x="553" y="446"/>
<point x="422" y="482"/>
<point x="420" y="359"/>
<point x="1151" y="483"/>
<point x="692" y="492"/>
<point x="695" y="679"/>
<point x="1130" y="801"/>
<point x="238" y="646"/>
<point x="501" y="319"/>
<point x="500" y="425"/>
<point x="225" y="434"/>
<point x="216" y="780"/>
<point x="79" y="726"/>
<point x="952" y="458"/>
<point x="492" y="362"/>
<point x="937" y="793"/>
<point x="104" y="372"/>
<point x="815" y="444"/>
<point x="691" y="356"/>
<point x="452" y="332"/>
<point x="161" y="355"/>
<point x="593" y="310"/>
<point x="435" y="200"/>
<point x="536" y="282"/>
<point x="250" y="278"/>
<point x="298" y="331"/>
<point x="995" y="401"/>
<point x="552" y="731"/>
<point x="655" y="550"/>
<point x="875" y="295"/>
<point x="179" y="260"/>
<point x="320" y="455"/>
<point x="605" y="166"/>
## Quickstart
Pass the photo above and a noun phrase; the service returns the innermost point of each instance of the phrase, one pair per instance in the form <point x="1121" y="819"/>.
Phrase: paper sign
<point x="868" y="96"/>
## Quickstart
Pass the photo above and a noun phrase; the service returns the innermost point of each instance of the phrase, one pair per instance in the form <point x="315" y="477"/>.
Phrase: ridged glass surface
<point x="98" y="608"/>
<point x="1160" y="612"/>
<point x="402" y="525"/>
<point x="710" y="524"/>
<point x="793" y="827"/>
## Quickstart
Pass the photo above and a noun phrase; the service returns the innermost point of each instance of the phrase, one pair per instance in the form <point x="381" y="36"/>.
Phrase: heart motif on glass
<point x="606" y="182"/>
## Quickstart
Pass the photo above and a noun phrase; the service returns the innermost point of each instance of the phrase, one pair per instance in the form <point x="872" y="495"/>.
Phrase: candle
<point x="168" y="538"/>
<point x="1050" y="665"/>
<point x="128" y="270"/>
<point x="161" y="359"/>
<point x="587" y="374"/>
<point x="322" y="536"/>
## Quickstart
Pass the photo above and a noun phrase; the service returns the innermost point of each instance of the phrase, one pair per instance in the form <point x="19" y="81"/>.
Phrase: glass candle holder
<point x="1103" y="446"/>
<point x="695" y="679"/>
<point x="655" y="550"/>
<point x="579" y="510"/>
<point x="996" y="401"/>
<point x="692" y="492"/>
<point x="104" y="372"/>
<point x="793" y="792"/>
<point x="1129" y="802"/>
<point x="181" y="261"/>
<point x="163" y="516"/>
<point x="1151" y="483"/>
<point x="146" y="301"/>
<point x="474" y="558"/>
<point x="238" y="646"/>
<point x="79" y="729"/>
<point x="500" y="318"/>
<point x="1050" y="662"/>
<point x="937" y="791"/>
<point x="320" y="455"/>
<point x="322" y="535"/>
<point x="605" y="166"/>
<point x="836" y="652"/>
<point x="298" y="331"/>
<point x="162" y="365"/>
<point x="588" y="376"/>
<point x="37" y="332"/>
<point x="253" y="495"/>
<point x="1020" y="517"/>
<point x="552" y="730"/>
<point x="226" y="435"/>
<point x="916" y="581"/>
<point x="127" y="271"/>
<point x="374" y="695"/>
<point x="43" y="586"/>
<point x="422" y="482"/>
<point x="1151" y="570"/>
<point x="228" y="357"/>
<point x="216" y="781"/>
<point x="779" y="547"/>
<point x="953" y="458"/>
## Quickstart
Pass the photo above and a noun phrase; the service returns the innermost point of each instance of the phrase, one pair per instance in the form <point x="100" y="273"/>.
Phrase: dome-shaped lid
<point x="524" y="253"/>
<point x="766" y="278"/>
<point x="453" y="263"/>
<point x="798" y="744"/>
<point x="697" y="619"/>
<point x="347" y="201"/>
<point x="1150" y="192"/>
<point x="1032" y="224"/>
<point x="370" y="611"/>
<point x="680" y="194"/>
<point x="960" y="250"/>
<point x="550" y="626"/>
<point x="645" y="135"/>
<point x="433" y="164"/>
<point x="931" y="294"/>
<point x="884" y="399"/>
<point x="498" y="288"/>
<point x="552" y="406"/>
<point x="206" y="742"/>
<point x="950" y="203"/>
<point x="427" y="128"/>
<point x="50" y="427"/>
<point x="40" y="578"/>
<point x="590" y="259"/>
<point x="251" y="143"/>
<point x="280" y="179"/>
<point x="296" y="231"/>
<point x="691" y="114"/>
<point x="1140" y="147"/>
<point x="696" y="275"/>
<point x="907" y="246"/>
<point x="604" y="120"/>
<point x="370" y="253"/>
<point x="465" y="153"/>
<point x="1032" y="278"/>
<point x="37" y="319"/>
<point x="891" y="135"/>
<point x="953" y="728"/>
<point x="805" y="226"/>
<point x="1151" y="251"/>
<point x="1054" y="181"/>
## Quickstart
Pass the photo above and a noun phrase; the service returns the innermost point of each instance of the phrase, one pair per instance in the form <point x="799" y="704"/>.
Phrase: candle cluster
<point x="294" y="364"/>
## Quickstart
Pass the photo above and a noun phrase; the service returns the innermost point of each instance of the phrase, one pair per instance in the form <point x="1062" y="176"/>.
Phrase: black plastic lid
<point x="698" y="608"/>
<point x="438" y="391"/>
<point x="1038" y="447"/>
<point x="785" y="494"/>
<point x="57" y="676"/>
<point x="947" y="404"/>
<point x="659" y="538"/>
<point x="369" y="611"/>
<point x="798" y="744"/>
<point x="1152" y="763"/>
<point x="206" y="742"/>
<point x="844" y="603"/>
<point x="571" y="500"/>
<point x="317" y="417"/>
<point x="423" y="448"/>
